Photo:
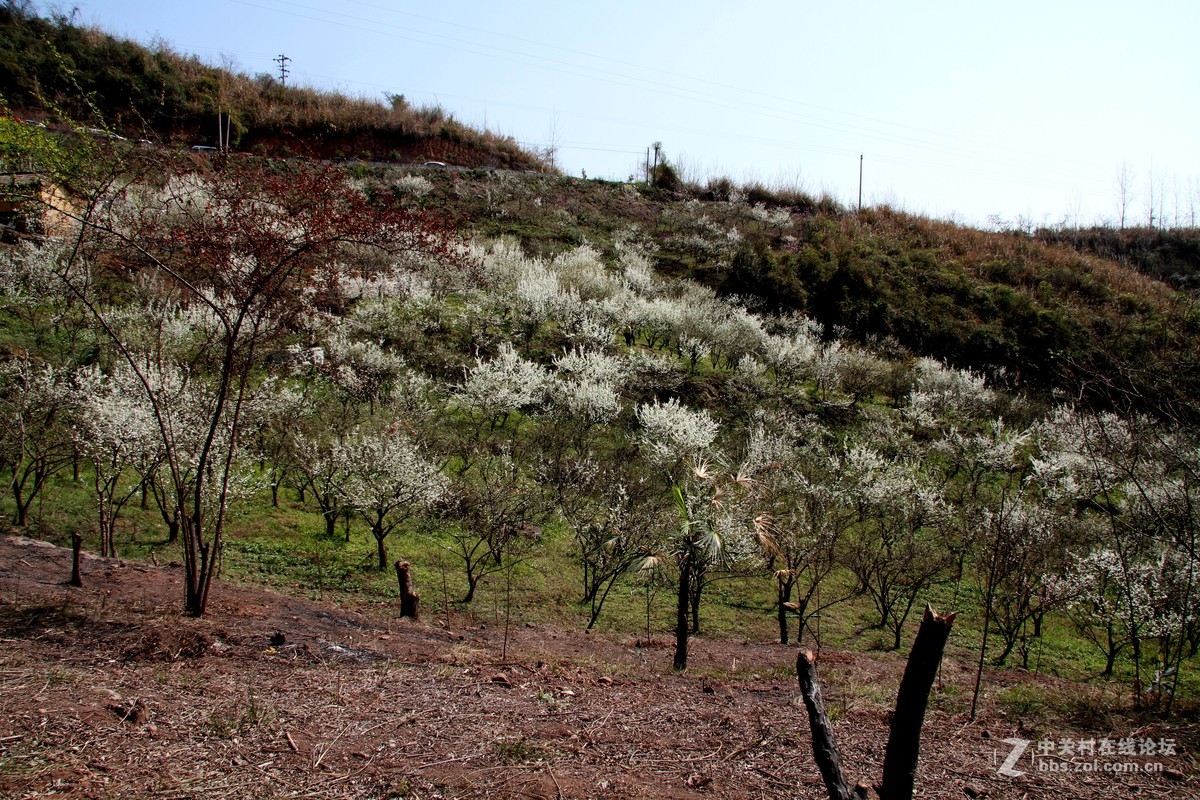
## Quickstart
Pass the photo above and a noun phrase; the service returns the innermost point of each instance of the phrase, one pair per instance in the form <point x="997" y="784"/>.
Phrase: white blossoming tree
<point x="808" y="511"/>
<point x="388" y="479"/>
<point x="116" y="431"/>
<point x="1135" y="586"/>
<point x="673" y="435"/>
<point x="37" y="406"/>
<point x="504" y="385"/>
<point x="249" y="243"/>
<point x="898" y="548"/>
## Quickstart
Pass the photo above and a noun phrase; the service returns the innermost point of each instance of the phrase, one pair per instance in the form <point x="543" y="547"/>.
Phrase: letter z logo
<point x="1018" y="749"/>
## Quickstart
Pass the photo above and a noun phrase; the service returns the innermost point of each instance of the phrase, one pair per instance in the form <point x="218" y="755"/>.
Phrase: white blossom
<point x="590" y="400"/>
<point x="942" y="391"/>
<point x="672" y="433"/>
<point x="793" y="358"/>
<point x="591" y="365"/>
<point x="412" y="186"/>
<point x="506" y="383"/>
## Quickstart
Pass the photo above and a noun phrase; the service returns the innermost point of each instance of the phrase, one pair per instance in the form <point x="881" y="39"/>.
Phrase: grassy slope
<point x="1047" y="315"/>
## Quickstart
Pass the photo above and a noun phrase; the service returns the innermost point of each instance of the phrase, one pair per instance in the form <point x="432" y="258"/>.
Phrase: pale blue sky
<point x="960" y="108"/>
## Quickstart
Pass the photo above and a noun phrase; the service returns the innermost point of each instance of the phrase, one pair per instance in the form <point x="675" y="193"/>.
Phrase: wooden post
<point x="904" y="741"/>
<point x="409" y="600"/>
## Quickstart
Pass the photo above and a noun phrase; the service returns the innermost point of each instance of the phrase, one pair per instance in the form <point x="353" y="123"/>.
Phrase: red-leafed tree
<point x="239" y="252"/>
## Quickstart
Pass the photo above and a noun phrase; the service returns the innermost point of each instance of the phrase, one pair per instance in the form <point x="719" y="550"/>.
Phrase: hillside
<point x="632" y="441"/>
<point x="1035" y="315"/>
<point x="1171" y="255"/>
<point x="1063" y="310"/>
<point x="69" y="76"/>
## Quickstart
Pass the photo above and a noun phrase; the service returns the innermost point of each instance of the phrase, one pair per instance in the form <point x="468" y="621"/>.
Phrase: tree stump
<point x="904" y="740"/>
<point x="76" y="546"/>
<point x="409" y="599"/>
<point x="825" y="749"/>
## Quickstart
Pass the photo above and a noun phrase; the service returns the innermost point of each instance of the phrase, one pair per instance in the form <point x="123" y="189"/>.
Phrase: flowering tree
<point x="809" y="511"/>
<point x="712" y="530"/>
<point x="322" y="471"/>
<point x="1136" y="585"/>
<point x="361" y="369"/>
<point x="794" y="357"/>
<point x="38" y="405"/>
<point x="944" y="393"/>
<point x="504" y="385"/>
<point x="612" y="515"/>
<point x="898" y="550"/>
<point x="388" y="479"/>
<point x="673" y="435"/>
<point x="55" y="325"/>
<point x="116" y="431"/>
<point x="586" y="389"/>
<point x="247" y="242"/>
<point x="494" y="514"/>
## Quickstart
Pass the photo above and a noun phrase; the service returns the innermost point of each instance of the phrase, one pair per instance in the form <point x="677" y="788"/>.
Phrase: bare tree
<point x="1124" y="183"/>
<point x="494" y="516"/>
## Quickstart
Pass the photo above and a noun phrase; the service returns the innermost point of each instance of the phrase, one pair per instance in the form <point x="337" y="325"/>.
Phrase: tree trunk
<point x="472" y="583"/>
<point x="904" y="740"/>
<point x="783" y="593"/>
<point x="76" y="546"/>
<point x="20" y="513"/>
<point x="409" y="600"/>
<point x="380" y="551"/>
<point x="683" y="602"/>
<point x="987" y="624"/>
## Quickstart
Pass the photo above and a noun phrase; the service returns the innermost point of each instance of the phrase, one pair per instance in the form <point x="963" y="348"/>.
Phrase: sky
<point x="968" y="110"/>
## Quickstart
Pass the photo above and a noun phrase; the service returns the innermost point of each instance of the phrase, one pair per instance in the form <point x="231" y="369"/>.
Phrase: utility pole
<point x="282" y="61"/>
<point x="860" y="167"/>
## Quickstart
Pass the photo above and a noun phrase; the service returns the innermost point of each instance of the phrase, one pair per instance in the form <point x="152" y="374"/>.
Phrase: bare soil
<point x="108" y="691"/>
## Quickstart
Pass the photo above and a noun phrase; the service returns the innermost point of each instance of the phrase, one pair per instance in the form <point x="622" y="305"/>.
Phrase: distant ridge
<point x="59" y="72"/>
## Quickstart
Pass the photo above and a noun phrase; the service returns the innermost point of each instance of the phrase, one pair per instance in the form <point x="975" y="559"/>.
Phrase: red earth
<point x="108" y="691"/>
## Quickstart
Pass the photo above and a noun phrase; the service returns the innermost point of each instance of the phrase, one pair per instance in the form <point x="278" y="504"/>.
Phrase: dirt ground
<point x="108" y="692"/>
